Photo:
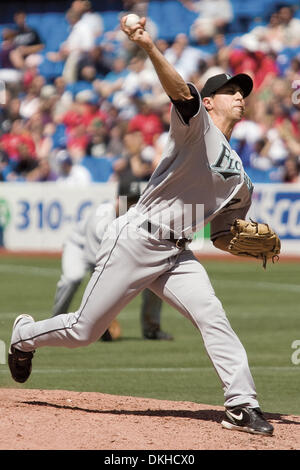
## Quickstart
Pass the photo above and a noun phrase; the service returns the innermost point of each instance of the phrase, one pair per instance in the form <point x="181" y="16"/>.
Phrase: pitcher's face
<point x="229" y="100"/>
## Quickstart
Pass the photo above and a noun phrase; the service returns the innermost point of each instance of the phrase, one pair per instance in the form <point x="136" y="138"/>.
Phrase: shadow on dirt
<point x="204" y="415"/>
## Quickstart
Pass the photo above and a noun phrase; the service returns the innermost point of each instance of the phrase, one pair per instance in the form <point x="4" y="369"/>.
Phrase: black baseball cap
<point x="217" y="81"/>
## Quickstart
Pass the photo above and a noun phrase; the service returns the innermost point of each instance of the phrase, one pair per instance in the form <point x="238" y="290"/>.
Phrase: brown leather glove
<point x="255" y="240"/>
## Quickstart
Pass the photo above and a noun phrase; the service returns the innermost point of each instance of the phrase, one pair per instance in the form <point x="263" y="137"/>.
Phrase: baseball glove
<point x="253" y="239"/>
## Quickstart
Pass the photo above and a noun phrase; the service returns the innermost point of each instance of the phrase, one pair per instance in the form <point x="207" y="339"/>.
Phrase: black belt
<point x="153" y="228"/>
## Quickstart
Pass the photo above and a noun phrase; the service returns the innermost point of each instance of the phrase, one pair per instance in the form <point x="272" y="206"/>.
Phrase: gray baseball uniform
<point x="79" y="254"/>
<point x="79" y="257"/>
<point x="198" y="177"/>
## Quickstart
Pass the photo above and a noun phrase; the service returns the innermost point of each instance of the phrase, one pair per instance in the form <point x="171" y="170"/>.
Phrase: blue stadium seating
<point x="59" y="137"/>
<point x="50" y="70"/>
<point x="79" y="86"/>
<point x="171" y="18"/>
<point x="53" y="28"/>
<point x="110" y="20"/>
<point x="285" y="57"/>
<point x="100" y="168"/>
<point x="264" y="176"/>
<point x="242" y="8"/>
<point x="35" y="20"/>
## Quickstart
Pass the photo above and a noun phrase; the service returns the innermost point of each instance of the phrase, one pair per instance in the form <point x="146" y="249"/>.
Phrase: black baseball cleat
<point x="243" y="418"/>
<point x="20" y="362"/>
<point x="106" y="336"/>
<point x="158" y="335"/>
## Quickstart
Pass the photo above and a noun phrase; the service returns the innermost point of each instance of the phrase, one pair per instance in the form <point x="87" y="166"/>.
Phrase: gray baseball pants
<point x="129" y="260"/>
<point x="74" y="268"/>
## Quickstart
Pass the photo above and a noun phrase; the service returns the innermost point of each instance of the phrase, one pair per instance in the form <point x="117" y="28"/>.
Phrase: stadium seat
<point x="242" y="8"/>
<point x="177" y="17"/>
<point x="50" y="70"/>
<point x="100" y="168"/>
<point x="79" y="86"/>
<point x="110" y="20"/>
<point x="247" y="12"/>
<point x="154" y="13"/>
<point x="58" y="24"/>
<point x="285" y="58"/>
<point x="297" y="13"/>
<point x="34" y="20"/>
<point x="264" y="176"/>
<point x="53" y="28"/>
<point x="59" y="138"/>
<point x="171" y="18"/>
<point x="237" y="26"/>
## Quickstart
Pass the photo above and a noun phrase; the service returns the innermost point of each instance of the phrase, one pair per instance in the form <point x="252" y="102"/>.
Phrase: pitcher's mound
<point x="60" y="419"/>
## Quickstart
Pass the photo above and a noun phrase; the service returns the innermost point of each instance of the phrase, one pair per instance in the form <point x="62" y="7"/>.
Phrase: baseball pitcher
<point x="199" y="179"/>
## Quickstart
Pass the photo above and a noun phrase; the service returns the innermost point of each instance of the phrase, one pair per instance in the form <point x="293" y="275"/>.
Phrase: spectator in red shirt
<point x="147" y="122"/>
<point x="79" y="118"/>
<point x="84" y="110"/>
<point x="77" y="142"/>
<point x="20" y="169"/>
<point x="251" y="59"/>
<point x="17" y="136"/>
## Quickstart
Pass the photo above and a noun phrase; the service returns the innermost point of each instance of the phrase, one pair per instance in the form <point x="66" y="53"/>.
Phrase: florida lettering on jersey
<point x="227" y="164"/>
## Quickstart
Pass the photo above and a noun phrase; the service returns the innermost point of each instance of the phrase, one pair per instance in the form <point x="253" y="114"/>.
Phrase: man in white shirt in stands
<point x="82" y="38"/>
<point x="72" y="174"/>
<point x="90" y="19"/>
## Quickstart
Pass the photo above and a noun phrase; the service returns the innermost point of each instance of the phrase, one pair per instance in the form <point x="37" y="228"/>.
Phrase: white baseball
<point x="132" y="20"/>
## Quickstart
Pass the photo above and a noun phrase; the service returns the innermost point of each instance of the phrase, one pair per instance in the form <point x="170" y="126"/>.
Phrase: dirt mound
<point x="60" y="419"/>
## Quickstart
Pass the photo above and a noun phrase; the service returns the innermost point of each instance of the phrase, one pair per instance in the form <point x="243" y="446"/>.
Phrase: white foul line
<point x="153" y="369"/>
<point x="25" y="270"/>
<point x="49" y="272"/>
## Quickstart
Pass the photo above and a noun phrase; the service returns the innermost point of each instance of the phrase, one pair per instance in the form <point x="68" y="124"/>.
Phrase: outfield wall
<point x="39" y="216"/>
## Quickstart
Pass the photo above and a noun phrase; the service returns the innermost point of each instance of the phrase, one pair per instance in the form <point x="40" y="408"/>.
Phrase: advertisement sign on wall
<point x="277" y="205"/>
<point x="39" y="216"/>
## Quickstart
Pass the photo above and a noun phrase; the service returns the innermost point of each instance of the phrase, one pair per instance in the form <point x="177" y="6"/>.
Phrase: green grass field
<point x="262" y="306"/>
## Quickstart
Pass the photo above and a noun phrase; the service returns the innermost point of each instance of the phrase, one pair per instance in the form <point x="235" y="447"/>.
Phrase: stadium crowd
<point x="105" y="117"/>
